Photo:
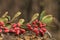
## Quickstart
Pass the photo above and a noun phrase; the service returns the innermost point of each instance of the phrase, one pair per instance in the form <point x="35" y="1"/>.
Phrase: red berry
<point x="29" y="27"/>
<point x="0" y="30"/>
<point x="35" y="26"/>
<point x="14" y="25"/>
<point x="12" y="30"/>
<point x="41" y="32"/>
<point x="36" y="31"/>
<point x="17" y="32"/>
<point x="16" y="28"/>
<point x="18" y="24"/>
<point x="1" y="23"/>
<point x="22" y="31"/>
<point x="6" y="31"/>
<point x="36" y="21"/>
<point x="1" y="27"/>
<point x="5" y="28"/>
<point x="44" y="29"/>
<point x="40" y="24"/>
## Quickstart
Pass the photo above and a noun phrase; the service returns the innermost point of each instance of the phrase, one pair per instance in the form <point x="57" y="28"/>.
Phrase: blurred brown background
<point x="29" y="7"/>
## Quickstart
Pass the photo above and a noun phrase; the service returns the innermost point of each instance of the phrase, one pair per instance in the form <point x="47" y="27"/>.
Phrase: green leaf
<point x="21" y="21"/>
<point x="35" y="16"/>
<point x="4" y="20"/>
<point x="42" y="14"/>
<point x="8" y="25"/>
<point x="47" y="19"/>
<point x="8" y="17"/>
<point x="24" y="27"/>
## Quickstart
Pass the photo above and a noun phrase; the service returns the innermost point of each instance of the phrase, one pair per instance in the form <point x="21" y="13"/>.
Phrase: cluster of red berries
<point x="16" y="28"/>
<point x="3" y="28"/>
<point x="37" y="27"/>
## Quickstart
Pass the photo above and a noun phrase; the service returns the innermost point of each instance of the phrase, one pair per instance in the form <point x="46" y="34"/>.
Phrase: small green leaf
<point x="42" y="14"/>
<point x="8" y="25"/>
<point x="8" y="17"/>
<point x="21" y="21"/>
<point x="5" y="20"/>
<point x="24" y="27"/>
<point x="35" y="16"/>
<point x="47" y="19"/>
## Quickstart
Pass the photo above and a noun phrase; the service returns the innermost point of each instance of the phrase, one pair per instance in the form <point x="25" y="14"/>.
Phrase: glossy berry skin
<point x="41" y="24"/>
<point x="1" y="23"/>
<point x="44" y="29"/>
<point x="36" y="21"/>
<point x="1" y="27"/>
<point x="28" y="24"/>
<point x="41" y="32"/>
<point x="5" y="28"/>
<point x="16" y="28"/>
<point x="29" y="27"/>
<point x="36" y="31"/>
<point x="18" y="24"/>
<point x="6" y="31"/>
<point x="22" y="31"/>
<point x="17" y="32"/>
<point x="12" y="30"/>
<point x="0" y="30"/>
<point x="14" y="25"/>
<point x="35" y="26"/>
